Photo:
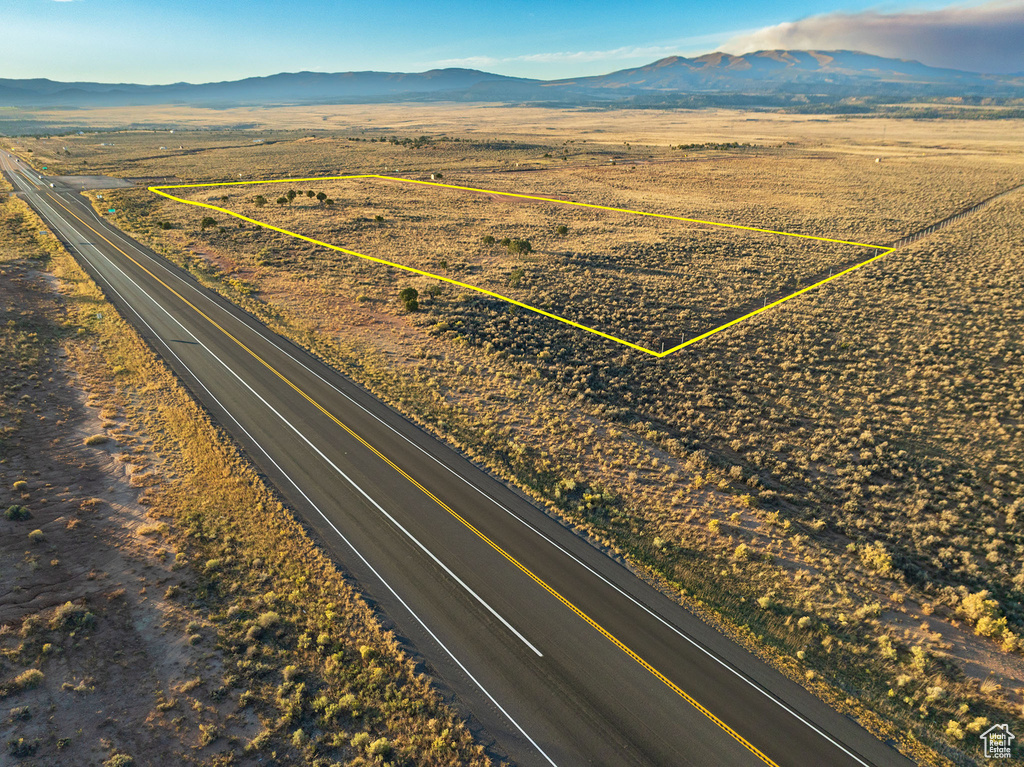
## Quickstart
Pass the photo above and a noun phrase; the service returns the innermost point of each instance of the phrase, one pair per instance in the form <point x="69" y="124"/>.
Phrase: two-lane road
<point x="561" y="654"/>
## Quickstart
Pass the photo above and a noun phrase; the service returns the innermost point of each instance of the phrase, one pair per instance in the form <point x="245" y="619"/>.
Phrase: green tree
<point x="519" y="247"/>
<point x="282" y="200"/>
<point x="310" y="194"/>
<point x="409" y="297"/>
<point x="562" y="229"/>
<point x="260" y="201"/>
<point x="291" y="194"/>
<point x="321" y="196"/>
<point x="207" y="222"/>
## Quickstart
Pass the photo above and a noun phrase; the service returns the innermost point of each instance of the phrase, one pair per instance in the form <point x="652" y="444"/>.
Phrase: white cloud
<point x="977" y="38"/>
<point x="642" y="53"/>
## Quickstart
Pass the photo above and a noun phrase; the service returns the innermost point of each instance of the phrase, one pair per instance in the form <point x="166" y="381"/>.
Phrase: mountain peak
<point x="836" y="72"/>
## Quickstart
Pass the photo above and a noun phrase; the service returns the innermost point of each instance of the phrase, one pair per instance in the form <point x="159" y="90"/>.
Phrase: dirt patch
<point x="94" y="652"/>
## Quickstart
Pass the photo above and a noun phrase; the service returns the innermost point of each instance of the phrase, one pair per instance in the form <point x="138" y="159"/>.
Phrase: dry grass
<point x="287" y="662"/>
<point x="833" y="483"/>
<point x="619" y="273"/>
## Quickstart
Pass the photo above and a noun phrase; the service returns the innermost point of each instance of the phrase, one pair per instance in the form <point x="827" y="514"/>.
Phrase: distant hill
<point x="790" y="70"/>
<point x="284" y="88"/>
<point x="828" y="74"/>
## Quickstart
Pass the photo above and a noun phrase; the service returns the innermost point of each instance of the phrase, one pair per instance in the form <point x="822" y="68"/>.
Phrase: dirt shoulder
<point x="796" y="482"/>
<point x="162" y="607"/>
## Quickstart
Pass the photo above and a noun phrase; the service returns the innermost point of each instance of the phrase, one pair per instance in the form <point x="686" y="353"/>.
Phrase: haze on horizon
<point x="146" y="41"/>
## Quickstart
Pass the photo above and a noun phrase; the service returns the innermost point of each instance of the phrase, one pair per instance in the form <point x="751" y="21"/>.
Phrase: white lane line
<point x="337" y="468"/>
<point x="347" y="478"/>
<point x="308" y="499"/>
<point x="736" y="672"/>
<point x="676" y="630"/>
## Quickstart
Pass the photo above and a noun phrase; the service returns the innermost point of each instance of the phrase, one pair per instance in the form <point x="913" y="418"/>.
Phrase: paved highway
<point x="562" y="656"/>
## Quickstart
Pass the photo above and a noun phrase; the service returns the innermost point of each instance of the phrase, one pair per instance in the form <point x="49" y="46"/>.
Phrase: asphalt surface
<point x="559" y="653"/>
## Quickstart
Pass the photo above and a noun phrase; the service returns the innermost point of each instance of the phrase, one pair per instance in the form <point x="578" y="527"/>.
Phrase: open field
<point x="658" y="127"/>
<point x="529" y="250"/>
<point x="837" y="481"/>
<point x="163" y="607"/>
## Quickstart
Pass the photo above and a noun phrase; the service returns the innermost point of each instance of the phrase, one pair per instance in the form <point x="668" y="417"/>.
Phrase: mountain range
<point x="779" y="74"/>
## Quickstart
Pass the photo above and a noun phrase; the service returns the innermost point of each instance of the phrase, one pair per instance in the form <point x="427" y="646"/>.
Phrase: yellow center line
<point x="664" y="353"/>
<point x="534" y="577"/>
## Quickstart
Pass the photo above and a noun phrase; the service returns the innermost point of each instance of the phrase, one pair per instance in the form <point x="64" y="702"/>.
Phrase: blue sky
<point x="160" y="41"/>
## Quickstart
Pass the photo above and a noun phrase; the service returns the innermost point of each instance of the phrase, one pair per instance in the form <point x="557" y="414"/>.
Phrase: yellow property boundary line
<point x="465" y="522"/>
<point x="884" y="249"/>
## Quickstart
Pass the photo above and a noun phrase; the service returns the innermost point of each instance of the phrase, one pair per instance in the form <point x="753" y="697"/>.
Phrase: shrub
<point x="37" y="536"/>
<point x="409" y="298"/>
<point x="268" y="619"/>
<point x="70" y="616"/>
<point x="919" y="659"/>
<point x="28" y="679"/>
<point x="877" y="558"/>
<point x="17" y="513"/>
<point x="359" y="740"/>
<point x="978" y="724"/>
<point x="20" y="485"/>
<point x="519" y="247"/>
<point x="97" y="439"/>
<point x="19" y="747"/>
<point x="118" y="759"/>
<point x="977" y="606"/>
